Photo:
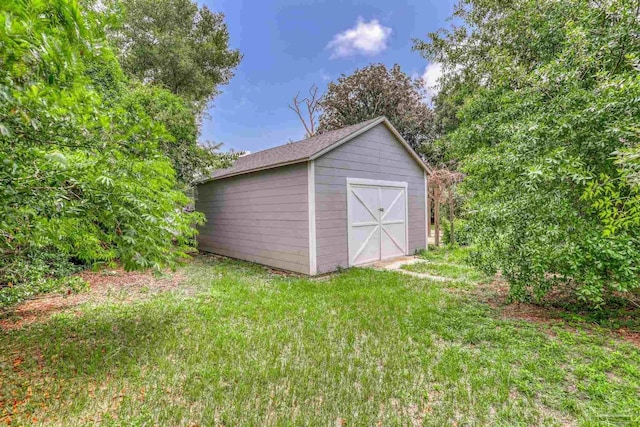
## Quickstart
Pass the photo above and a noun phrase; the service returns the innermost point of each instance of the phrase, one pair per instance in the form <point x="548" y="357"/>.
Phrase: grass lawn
<point x="237" y="345"/>
<point x="457" y="272"/>
<point x="448" y="263"/>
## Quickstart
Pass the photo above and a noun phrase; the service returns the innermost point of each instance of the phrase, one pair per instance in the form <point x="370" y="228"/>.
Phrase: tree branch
<point x="311" y="104"/>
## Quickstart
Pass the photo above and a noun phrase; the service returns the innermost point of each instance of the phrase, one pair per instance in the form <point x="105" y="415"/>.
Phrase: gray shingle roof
<point x="303" y="150"/>
<point x="289" y="153"/>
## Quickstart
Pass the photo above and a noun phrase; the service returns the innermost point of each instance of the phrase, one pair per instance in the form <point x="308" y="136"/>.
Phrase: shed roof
<point x="304" y="150"/>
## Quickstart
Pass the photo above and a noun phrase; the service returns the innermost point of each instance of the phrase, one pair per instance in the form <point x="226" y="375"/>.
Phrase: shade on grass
<point x="363" y="347"/>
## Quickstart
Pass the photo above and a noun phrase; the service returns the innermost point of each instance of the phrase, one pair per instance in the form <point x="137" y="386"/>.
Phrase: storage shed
<point x="338" y="199"/>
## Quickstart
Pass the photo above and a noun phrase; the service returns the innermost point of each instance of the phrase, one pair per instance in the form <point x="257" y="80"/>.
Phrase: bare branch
<point x="312" y="106"/>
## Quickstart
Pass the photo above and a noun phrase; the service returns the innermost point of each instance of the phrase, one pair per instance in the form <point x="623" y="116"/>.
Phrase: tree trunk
<point x="451" y="214"/>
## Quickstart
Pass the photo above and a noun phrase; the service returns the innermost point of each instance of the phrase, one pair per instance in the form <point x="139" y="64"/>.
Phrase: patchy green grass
<point x="447" y="262"/>
<point x="363" y="347"/>
<point x="446" y="254"/>
<point x="619" y="312"/>
<point x="451" y="271"/>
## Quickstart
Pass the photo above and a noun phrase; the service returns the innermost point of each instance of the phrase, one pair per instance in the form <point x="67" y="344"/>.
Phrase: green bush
<point x="10" y="294"/>
<point x="542" y="102"/>
<point x="83" y="179"/>
<point x="38" y="271"/>
<point x="461" y="230"/>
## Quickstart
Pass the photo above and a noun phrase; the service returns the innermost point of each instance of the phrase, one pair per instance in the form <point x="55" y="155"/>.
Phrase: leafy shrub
<point x="35" y="264"/>
<point x="546" y="126"/>
<point x="38" y="271"/>
<point x="461" y="230"/>
<point x="83" y="180"/>
<point x="10" y="294"/>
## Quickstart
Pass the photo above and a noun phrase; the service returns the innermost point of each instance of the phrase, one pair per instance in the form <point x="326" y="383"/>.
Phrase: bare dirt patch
<point x="104" y="285"/>
<point x="631" y="336"/>
<point x="549" y="312"/>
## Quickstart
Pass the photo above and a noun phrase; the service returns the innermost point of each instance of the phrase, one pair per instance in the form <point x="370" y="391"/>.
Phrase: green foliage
<point x="180" y="144"/>
<point x="10" y="295"/>
<point x="461" y="229"/>
<point x="618" y="203"/>
<point x="375" y="91"/>
<point x="176" y="114"/>
<point x="82" y="173"/>
<point x="544" y="96"/>
<point x="176" y="45"/>
<point x="35" y="271"/>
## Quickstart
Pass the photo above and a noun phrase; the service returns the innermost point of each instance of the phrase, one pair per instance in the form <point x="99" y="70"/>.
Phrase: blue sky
<point x="290" y="44"/>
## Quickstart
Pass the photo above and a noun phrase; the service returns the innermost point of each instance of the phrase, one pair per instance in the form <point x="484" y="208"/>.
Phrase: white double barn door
<point x="377" y="220"/>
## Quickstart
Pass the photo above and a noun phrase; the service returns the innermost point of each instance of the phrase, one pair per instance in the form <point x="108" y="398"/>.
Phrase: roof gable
<point x="306" y="149"/>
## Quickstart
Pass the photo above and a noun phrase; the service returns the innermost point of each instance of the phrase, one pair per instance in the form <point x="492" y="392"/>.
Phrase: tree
<point x="377" y="91"/>
<point x="176" y="45"/>
<point x="180" y="119"/>
<point x="82" y="181"/>
<point x="544" y="96"/>
<point x="180" y="144"/>
<point x="311" y="105"/>
<point x="442" y="188"/>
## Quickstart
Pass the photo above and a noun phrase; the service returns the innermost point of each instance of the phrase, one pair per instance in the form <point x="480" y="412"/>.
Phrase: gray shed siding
<point x="375" y="154"/>
<point x="261" y="217"/>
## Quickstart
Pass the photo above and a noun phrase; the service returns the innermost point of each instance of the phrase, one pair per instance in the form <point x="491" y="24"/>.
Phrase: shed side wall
<point x="376" y="154"/>
<point x="261" y="217"/>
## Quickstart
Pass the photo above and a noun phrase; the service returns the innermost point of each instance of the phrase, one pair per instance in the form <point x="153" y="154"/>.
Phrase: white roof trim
<point x="411" y="151"/>
<point x="347" y="138"/>
<point x="391" y="128"/>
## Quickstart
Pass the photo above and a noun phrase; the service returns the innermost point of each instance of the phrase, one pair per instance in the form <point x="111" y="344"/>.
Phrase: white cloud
<point x="366" y="38"/>
<point x="430" y="77"/>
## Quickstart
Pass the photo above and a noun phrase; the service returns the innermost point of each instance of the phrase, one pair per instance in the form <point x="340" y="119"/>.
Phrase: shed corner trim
<point x="311" y="205"/>
<point x="427" y="213"/>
